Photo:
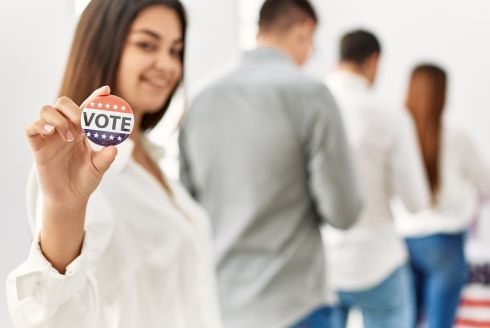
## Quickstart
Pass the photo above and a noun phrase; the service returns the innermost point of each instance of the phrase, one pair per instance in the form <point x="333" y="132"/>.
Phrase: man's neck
<point x="351" y="68"/>
<point x="265" y="41"/>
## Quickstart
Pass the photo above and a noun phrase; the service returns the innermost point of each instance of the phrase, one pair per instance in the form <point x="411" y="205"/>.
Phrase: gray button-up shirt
<point x="263" y="149"/>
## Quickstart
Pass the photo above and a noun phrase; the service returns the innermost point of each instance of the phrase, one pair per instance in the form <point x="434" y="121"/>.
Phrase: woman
<point x="131" y="249"/>
<point x="435" y="238"/>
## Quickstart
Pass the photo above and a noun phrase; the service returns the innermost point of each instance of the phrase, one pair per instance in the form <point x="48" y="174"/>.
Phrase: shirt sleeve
<point x="332" y="178"/>
<point x="409" y="180"/>
<point x="39" y="296"/>
<point x="475" y="168"/>
<point x="185" y="169"/>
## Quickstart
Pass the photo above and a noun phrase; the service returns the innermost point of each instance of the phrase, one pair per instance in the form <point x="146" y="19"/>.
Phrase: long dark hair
<point x="425" y="101"/>
<point x="97" y="45"/>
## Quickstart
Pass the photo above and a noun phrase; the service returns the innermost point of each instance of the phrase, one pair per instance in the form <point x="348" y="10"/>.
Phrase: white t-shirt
<point x="146" y="261"/>
<point x="388" y="161"/>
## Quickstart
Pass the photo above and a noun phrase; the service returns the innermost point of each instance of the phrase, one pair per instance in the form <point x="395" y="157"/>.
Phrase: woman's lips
<point x="157" y="83"/>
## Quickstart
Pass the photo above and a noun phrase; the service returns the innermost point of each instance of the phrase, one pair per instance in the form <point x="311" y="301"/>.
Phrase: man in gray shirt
<point x="263" y="150"/>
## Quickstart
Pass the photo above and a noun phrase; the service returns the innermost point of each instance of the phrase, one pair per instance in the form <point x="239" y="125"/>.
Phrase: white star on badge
<point x="107" y="106"/>
<point x="123" y="107"/>
<point x="103" y="136"/>
<point x="96" y="135"/>
<point x="111" y="137"/>
<point x="119" y="138"/>
<point x="88" y="134"/>
<point x="99" y="104"/>
<point x="92" y="104"/>
<point x="115" y="107"/>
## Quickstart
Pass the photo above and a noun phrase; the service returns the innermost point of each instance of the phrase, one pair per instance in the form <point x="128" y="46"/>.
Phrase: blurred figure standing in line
<point x="263" y="149"/>
<point x="367" y="264"/>
<point x="455" y="171"/>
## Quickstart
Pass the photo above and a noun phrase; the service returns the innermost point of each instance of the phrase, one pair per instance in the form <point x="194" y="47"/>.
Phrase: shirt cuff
<point x="38" y="279"/>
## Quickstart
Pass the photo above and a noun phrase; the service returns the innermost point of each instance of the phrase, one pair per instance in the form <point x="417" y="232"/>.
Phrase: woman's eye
<point x="146" y="46"/>
<point x="176" y="53"/>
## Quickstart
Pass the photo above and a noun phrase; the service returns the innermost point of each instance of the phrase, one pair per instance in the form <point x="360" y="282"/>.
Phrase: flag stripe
<point x="472" y="323"/>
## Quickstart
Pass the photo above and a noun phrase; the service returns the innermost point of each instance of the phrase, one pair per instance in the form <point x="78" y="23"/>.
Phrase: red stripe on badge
<point x="110" y="103"/>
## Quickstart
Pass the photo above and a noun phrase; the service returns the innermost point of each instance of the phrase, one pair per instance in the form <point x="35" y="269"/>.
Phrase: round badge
<point x="107" y="120"/>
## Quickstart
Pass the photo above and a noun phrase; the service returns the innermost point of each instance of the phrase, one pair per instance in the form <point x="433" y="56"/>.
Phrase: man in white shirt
<point x="367" y="264"/>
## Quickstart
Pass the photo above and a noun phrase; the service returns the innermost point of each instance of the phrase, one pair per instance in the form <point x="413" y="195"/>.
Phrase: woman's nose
<point x="165" y="62"/>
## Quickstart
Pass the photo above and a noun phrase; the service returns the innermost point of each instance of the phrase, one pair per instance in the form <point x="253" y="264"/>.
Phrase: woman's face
<point x="150" y="65"/>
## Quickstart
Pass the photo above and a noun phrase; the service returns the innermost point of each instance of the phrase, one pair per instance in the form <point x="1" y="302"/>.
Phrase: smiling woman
<point x="125" y="250"/>
<point x="151" y="63"/>
<point x="93" y="63"/>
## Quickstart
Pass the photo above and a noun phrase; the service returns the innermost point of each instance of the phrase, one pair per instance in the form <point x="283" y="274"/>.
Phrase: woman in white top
<point x="131" y="249"/>
<point x="435" y="237"/>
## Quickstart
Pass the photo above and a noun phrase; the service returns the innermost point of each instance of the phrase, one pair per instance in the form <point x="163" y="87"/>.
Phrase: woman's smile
<point x="156" y="82"/>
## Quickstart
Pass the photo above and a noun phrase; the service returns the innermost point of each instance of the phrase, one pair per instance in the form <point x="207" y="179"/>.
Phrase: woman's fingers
<point x="103" y="91"/>
<point x="60" y="123"/>
<point x="35" y="132"/>
<point x="103" y="159"/>
<point x="39" y="128"/>
<point x="69" y="109"/>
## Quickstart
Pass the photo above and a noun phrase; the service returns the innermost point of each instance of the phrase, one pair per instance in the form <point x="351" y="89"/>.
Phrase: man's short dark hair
<point x="358" y="45"/>
<point x="280" y="15"/>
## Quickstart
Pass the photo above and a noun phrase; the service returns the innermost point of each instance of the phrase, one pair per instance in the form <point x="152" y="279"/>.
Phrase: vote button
<point x="107" y="120"/>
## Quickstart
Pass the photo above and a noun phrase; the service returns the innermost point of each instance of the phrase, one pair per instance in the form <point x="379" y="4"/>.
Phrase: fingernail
<point x="48" y="128"/>
<point x="69" y="136"/>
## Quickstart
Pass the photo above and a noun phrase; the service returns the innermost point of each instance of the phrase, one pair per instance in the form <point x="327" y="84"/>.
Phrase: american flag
<point x="474" y="308"/>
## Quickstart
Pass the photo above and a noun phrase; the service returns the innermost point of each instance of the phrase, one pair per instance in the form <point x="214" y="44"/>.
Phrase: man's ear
<point x="310" y="24"/>
<point x="371" y="67"/>
<point x="306" y="28"/>
<point x="374" y="58"/>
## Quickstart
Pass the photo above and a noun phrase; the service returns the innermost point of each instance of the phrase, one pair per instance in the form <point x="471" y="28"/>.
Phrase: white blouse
<point x="463" y="173"/>
<point x="146" y="261"/>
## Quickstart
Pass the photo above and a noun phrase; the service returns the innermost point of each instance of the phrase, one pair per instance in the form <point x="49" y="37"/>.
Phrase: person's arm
<point x="185" y="169"/>
<point x="332" y="178"/>
<point x="409" y="181"/>
<point x="39" y="296"/>
<point x="475" y="167"/>
<point x="68" y="171"/>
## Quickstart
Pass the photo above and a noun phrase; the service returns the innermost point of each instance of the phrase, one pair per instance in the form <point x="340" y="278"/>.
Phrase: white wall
<point x="212" y="36"/>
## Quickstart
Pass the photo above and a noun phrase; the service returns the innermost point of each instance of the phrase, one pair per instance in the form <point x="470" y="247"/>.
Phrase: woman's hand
<point x="67" y="167"/>
<point x="69" y="171"/>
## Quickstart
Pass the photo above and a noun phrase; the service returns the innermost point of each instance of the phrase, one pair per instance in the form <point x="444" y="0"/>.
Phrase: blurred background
<point x="35" y="37"/>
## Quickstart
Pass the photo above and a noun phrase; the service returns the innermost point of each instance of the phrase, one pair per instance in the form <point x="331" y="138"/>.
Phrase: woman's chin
<point x="152" y="105"/>
<point x="151" y="109"/>
<point x="155" y="100"/>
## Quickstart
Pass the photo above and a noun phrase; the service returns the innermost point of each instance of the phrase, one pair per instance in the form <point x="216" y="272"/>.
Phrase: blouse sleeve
<point x="38" y="295"/>
<point x="475" y="168"/>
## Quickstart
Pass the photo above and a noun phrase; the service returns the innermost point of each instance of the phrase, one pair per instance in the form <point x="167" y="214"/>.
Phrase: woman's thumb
<point x="103" y="159"/>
